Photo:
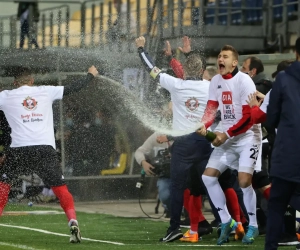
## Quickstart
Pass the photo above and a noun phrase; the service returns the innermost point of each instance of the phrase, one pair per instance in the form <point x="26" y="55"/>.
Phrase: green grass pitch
<point x="45" y="232"/>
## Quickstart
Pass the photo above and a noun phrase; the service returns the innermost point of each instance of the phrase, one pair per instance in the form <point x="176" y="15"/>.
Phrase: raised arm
<point x="79" y="84"/>
<point x="174" y="64"/>
<point x="146" y="59"/>
<point x="258" y="108"/>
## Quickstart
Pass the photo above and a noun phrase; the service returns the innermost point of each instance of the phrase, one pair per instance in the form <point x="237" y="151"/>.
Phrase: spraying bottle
<point x="210" y="136"/>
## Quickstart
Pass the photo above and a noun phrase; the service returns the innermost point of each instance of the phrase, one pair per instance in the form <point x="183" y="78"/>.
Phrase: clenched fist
<point x="140" y="42"/>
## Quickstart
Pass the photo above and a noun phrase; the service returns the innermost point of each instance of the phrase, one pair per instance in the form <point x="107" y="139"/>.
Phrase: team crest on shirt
<point x="29" y="103"/>
<point x="192" y="104"/>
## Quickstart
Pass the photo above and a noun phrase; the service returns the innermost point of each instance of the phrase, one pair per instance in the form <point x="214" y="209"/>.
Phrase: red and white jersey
<point x="189" y="99"/>
<point x="231" y="95"/>
<point x="28" y="110"/>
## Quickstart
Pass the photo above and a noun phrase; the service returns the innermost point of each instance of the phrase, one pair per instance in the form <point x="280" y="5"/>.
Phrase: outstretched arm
<point x="146" y="59"/>
<point x="79" y="84"/>
<point x="174" y="64"/>
<point x="257" y="114"/>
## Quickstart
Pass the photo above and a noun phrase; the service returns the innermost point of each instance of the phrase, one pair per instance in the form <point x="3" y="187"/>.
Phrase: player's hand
<point x="252" y="100"/>
<point x="147" y="168"/>
<point x="168" y="49"/>
<point x="220" y="139"/>
<point x="161" y="139"/>
<point x="260" y="95"/>
<point x="93" y="70"/>
<point x="186" y="48"/>
<point x="201" y="131"/>
<point x="140" y="42"/>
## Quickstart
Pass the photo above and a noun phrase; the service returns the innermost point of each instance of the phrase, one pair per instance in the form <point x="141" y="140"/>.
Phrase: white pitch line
<point x="215" y="245"/>
<point x="189" y="245"/>
<point x="18" y="246"/>
<point x="58" y="234"/>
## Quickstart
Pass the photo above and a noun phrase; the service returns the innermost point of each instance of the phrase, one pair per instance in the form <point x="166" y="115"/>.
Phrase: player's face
<point x="246" y="66"/>
<point x="226" y="62"/>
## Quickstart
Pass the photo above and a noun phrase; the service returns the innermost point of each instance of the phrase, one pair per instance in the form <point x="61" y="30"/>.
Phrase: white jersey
<point x="231" y="94"/>
<point x="189" y="98"/>
<point x="29" y="113"/>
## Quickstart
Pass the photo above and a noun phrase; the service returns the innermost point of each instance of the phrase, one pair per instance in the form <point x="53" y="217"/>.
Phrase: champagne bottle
<point x="210" y="136"/>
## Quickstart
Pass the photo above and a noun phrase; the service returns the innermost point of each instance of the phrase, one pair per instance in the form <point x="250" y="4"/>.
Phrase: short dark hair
<point x="232" y="49"/>
<point x="193" y="65"/>
<point x="21" y="71"/>
<point x="282" y="66"/>
<point x="200" y="54"/>
<point x="22" y="75"/>
<point x="256" y="63"/>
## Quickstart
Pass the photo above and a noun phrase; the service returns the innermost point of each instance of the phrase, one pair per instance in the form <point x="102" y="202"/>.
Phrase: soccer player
<point x="28" y="110"/>
<point x="189" y="98"/>
<point x="192" y="198"/>
<point x="238" y="146"/>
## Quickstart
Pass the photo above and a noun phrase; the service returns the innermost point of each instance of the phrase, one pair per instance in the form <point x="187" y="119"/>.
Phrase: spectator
<point x="255" y="69"/>
<point x="282" y="66"/>
<point x="24" y="17"/>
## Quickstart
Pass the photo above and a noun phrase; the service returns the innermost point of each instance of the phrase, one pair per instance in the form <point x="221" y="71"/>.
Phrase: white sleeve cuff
<point x="229" y="137"/>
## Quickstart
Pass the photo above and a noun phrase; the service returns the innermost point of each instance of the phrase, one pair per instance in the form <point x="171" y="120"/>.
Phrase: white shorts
<point x="244" y="156"/>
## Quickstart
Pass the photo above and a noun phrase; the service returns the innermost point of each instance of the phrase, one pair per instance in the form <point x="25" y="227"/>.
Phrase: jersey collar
<point x="230" y="75"/>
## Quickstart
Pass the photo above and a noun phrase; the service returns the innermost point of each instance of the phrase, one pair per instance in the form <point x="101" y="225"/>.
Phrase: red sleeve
<point x="177" y="68"/>
<point x="210" y="113"/>
<point x="257" y="115"/>
<point x="243" y="125"/>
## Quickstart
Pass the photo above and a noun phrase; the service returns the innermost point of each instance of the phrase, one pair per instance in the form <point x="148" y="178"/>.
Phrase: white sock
<point x="250" y="204"/>
<point x="71" y="221"/>
<point x="217" y="197"/>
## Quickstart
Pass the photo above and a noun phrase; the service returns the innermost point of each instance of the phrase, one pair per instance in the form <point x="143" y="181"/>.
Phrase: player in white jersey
<point x="28" y="110"/>
<point x="189" y="98"/>
<point x="238" y="146"/>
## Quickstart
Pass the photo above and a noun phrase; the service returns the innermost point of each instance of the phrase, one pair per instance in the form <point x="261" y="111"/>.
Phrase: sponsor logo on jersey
<point x="228" y="107"/>
<point x="29" y="103"/>
<point x="227" y="97"/>
<point x="192" y="104"/>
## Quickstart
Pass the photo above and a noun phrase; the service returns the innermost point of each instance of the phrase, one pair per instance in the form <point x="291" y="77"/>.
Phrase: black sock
<point x="289" y="221"/>
<point x="204" y="223"/>
<point x="261" y="217"/>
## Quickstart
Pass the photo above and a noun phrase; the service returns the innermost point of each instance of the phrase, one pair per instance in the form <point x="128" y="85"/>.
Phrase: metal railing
<point x="96" y="23"/>
<point x="93" y="25"/>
